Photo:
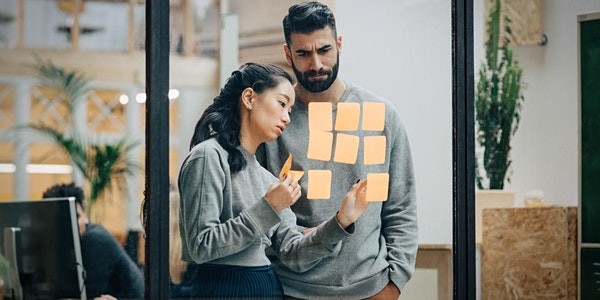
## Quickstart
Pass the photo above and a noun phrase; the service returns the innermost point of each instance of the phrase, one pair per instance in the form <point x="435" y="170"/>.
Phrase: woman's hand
<point x="354" y="204"/>
<point x="283" y="194"/>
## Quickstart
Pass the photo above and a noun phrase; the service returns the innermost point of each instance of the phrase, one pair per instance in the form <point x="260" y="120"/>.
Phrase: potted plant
<point x="104" y="165"/>
<point x="498" y="104"/>
<point x="6" y="272"/>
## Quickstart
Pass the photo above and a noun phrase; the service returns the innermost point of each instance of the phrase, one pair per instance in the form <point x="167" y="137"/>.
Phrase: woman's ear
<point x="248" y="98"/>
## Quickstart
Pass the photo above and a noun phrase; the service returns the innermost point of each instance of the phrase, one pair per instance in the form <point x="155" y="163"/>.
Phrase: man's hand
<point x="354" y="204"/>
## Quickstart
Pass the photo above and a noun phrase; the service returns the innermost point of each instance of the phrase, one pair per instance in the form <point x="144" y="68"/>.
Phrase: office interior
<point x="400" y="49"/>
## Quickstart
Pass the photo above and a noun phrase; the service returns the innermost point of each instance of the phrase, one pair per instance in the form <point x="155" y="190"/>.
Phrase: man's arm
<point x="399" y="212"/>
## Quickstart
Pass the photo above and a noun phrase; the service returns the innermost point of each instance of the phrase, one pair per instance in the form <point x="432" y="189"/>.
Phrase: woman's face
<point x="270" y="111"/>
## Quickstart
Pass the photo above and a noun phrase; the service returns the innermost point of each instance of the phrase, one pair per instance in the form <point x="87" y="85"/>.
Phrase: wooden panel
<point x="526" y="20"/>
<point x="437" y="257"/>
<point x="529" y="253"/>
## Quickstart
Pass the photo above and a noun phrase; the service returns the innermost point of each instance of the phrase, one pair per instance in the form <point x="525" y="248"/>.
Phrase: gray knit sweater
<point x="384" y="246"/>
<point x="225" y="219"/>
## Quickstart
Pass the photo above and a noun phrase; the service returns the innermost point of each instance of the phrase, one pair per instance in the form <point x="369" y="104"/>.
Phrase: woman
<point x="232" y="209"/>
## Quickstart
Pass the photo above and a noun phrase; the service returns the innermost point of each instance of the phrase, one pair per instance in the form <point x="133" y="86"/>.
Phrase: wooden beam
<point x="20" y="23"/>
<point x="131" y="26"/>
<point x="189" y="38"/>
<point x="186" y="72"/>
<point x="75" y="27"/>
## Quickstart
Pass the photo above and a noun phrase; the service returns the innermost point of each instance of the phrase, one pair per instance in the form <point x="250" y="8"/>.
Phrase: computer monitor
<point x="47" y="251"/>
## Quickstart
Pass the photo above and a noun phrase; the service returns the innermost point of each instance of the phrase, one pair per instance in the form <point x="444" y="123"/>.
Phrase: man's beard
<point x="319" y="85"/>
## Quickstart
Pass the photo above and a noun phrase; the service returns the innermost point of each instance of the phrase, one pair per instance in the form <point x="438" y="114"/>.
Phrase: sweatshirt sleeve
<point x="301" y="252"/>
<point x="202" y="182"/>
<point x="399" y="212"/>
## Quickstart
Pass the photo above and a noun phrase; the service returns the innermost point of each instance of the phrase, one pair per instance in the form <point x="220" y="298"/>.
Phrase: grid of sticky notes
<point x="321" y="138"/>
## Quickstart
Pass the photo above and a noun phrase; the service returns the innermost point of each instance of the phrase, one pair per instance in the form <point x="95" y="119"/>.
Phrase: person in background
<point x="183" y="280"/>
<point x="109" y="271"/>
<point x="379" y="259"/>
<point x="232" y="209"/>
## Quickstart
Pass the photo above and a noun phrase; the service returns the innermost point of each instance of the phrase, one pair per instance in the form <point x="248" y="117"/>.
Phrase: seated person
<point x="108" y="268"/>
<point x="184" y="280"/>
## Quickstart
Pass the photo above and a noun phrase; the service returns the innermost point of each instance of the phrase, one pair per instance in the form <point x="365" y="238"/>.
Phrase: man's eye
<point x="282" y="103"/>
<point x="325" y="50"/>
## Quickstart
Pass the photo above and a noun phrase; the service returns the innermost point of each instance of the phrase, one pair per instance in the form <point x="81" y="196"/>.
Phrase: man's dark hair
<point x="307" y="17"/>
<point x="65" y="190"/>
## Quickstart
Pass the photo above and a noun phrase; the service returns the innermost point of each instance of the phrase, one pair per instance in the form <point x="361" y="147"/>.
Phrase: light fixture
<point x="123" y="99"/>
<point x="140" y="98"/>
<point x="173" y="94"/>
<point x="38" y="168"/>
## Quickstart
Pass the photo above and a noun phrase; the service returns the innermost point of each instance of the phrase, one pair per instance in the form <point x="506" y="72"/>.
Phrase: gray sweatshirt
<point x="384" y="246"/>
<point x="225" y="219"/>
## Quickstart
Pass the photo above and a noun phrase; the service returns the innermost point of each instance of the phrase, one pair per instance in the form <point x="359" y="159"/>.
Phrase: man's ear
<point x="248" y="98"/>
<point x="288" y="54"/>
<point x="339" y="43"/>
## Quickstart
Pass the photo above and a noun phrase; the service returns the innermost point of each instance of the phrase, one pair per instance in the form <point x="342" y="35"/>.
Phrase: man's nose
<point x="316" y="62"/>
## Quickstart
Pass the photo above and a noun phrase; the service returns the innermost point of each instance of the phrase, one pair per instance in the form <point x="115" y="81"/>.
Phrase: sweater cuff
<point x="331" y="232"/>
<point x="262" y="215"/>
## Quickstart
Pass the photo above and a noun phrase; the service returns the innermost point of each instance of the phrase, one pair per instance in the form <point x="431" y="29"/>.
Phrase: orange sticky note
<point x="319" y="145"/>
<point x="374" y="150"/>
<point x="296" y="174"/>
<point x="377" y="186"/>
<point x="347" y="116"/>
<point x="287" y="165"/>
<point x="319" y="184"/>
<point x="373" y="117"/>
<point x="319" y="116"/>
<point x="346" y="148"/>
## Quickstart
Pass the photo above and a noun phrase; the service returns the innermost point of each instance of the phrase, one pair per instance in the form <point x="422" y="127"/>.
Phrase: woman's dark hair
<point x="222" y="118"/>
<point x="307" y="17"/>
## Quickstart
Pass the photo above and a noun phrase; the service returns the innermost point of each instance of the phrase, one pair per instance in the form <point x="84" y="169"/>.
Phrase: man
<point x="109" y="271"/>
<point x="379" y="259"/>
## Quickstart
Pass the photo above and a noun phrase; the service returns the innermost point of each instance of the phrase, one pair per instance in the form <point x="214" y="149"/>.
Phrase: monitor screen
<point x="48" y="252"/>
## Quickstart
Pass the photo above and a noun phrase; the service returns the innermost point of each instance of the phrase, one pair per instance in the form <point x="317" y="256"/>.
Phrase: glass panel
<point x="49" y="107"/>
<point x="46" y="156"/>
<point x="105" y="111"/>
<point x="7" y="95"/>
<point x="46" y="26"/>
<point x="104" y="26"/>
<point x="173" y="116"/>
<point x="8" y="14"/>
<point x="6" y="171"/>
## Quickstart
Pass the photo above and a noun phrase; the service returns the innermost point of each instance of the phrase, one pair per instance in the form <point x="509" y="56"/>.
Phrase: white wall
<point x="545" y="150"/>
<point x="401" y="50"/>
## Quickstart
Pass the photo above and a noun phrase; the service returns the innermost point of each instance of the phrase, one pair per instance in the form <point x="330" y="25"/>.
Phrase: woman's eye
<point x="282" y="103"/>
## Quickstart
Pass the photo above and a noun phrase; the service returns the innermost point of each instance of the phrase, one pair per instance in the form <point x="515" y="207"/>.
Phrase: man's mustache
<point x="320" y="72"/>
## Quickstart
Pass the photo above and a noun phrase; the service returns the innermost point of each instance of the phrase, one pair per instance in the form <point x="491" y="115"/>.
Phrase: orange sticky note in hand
<point x="287" y="165"/>
<point x="286" y="169"/>
<point x="319" y="116"/>
<point x="373" y="117"/>
<point x="319" y="184"/>
<point x="296" y="174"/>
<point x="377" y="186"/>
